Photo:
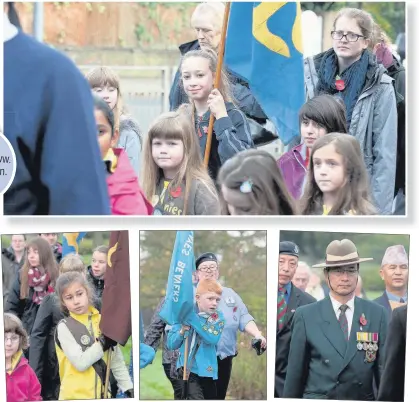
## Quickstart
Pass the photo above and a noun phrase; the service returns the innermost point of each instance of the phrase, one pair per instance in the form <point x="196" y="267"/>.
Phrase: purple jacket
<point x="293" y="170"/>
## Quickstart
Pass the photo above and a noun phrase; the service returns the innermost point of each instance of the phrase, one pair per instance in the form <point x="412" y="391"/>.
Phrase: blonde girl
<point x="337" y="182"/>
<point x="174" y="178"/>
<point x="81" y="348"/>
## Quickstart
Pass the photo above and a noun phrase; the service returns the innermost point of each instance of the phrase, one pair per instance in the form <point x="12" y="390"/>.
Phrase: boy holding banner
<point x="207" y="326"/>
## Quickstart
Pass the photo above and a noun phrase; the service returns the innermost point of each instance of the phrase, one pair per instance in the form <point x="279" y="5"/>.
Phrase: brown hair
<point x="175" y="125"/>
<point x="47" y="264"/>
<point x="72" y="262"/>
<point x="363" y="19"/>
<point x="102" y="249"/>
<point x="208" y="285"/>
<point x="13" y="324"/>
<point x="378" y="36"/>
<point x="269" y="194"/>
<point x="66" y="280"/>
<point x="103" y="76"/>
<point x="355" y="193"/>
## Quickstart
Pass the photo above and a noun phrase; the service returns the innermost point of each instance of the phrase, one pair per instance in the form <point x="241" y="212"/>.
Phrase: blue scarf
<point x="354" y="78"/>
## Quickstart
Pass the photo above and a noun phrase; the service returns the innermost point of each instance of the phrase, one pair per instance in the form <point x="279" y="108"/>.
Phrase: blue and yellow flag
<point x="264" y="47"/>
<point x="71" y="242"/>
<point x="179" y="300"/>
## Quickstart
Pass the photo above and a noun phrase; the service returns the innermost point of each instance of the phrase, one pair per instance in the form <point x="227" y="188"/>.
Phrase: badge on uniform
<point x="85" y="340"/>
<point x="368" y="341"/>
<point x="230" y="301"/>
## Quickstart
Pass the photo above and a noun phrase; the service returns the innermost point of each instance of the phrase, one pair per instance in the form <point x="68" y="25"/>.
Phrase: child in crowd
<point x="81" y="348"/>
<point x="204" y="327"/>
<point x="42" y="356"/>
<point x="252" y="184"/>
<point x="21" y="382"/>
<point x="106" y="84"/>
<point x="126" y="197"/>
<point x="174" y="177"/>
<point x="319" y="116"/>
<point x="231" y="132"/>
<point x="96" y="271"/>
<point x="34" y="281"/>
<point x="338" y="182"/>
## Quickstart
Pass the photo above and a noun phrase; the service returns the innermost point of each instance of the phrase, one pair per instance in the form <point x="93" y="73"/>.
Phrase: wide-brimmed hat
<point x="340" y="253"/>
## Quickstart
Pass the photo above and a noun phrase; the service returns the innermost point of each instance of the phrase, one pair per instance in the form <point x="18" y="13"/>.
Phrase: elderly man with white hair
<point x="394" y="272"/>
<point x="302" y="276"/>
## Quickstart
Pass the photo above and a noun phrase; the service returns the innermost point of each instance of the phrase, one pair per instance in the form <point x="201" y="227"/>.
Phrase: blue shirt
<point x="393" y="297"/>
<point x="49" y="121"/>
<point x="236" y="318"/>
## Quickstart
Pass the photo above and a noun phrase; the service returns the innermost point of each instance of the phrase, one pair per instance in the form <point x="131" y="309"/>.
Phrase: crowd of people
<point x="348" y="159"/>
<point x="338" y="344"/>
<point x="220" y="314"/>
<point x="53" y="344"/>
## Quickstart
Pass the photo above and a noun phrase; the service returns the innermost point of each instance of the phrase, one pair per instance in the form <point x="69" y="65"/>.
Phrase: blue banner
<point x="71" y="242"/>
<point x="264" y="47"/>
<point x="179" y="299"/>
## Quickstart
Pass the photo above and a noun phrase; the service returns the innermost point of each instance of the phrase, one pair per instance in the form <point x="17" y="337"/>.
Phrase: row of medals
<point x="370" y="350"/>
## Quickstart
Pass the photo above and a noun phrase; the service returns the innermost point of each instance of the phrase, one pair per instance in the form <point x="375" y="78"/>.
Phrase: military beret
<point x="205" y="257"/>
<point x="289" y="248"/>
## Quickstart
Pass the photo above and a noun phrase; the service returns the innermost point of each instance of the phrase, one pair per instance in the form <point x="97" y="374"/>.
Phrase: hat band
<point x="333" y="259"/>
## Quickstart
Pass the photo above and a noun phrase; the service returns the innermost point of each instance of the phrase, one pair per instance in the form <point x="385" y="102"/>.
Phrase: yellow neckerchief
<point x="163" y="193"/>
<point x="326" y="211"/>
<point x="82" y="318"/>
<point x="15" y="360"/>
<point x="111" y="161"/>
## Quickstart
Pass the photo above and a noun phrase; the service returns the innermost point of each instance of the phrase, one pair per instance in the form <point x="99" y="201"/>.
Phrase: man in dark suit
<point x="392" y="381"/>
<point x="337" y="343"/>
<point x="394" y="272"/>
<point x="289" y="298"/>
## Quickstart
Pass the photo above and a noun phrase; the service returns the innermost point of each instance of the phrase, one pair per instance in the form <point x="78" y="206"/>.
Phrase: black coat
<point x="98" y="284"/>
<point x="283" y="338"/>
<point x="392" y="380"/>
<point x="42" y="356"/>
<point x="25" y="309"/>
<point x="383" y="301"/>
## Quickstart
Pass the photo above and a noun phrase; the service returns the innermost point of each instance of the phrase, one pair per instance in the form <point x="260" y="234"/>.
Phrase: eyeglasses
<point x="342" y="271"/>
<point x="13" y="338"/>
<point x="349" y="36"/>
<point x="209" y="268"/>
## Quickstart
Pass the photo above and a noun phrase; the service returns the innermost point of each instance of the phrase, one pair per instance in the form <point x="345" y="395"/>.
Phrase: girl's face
<point x="343" y="48"/>
<point x="98" y="264"/>
<point x="104" y="131"/>
<point x="168" y="155"/>
<point x="311" y="131"/>
<point x="197" y="78"/>
<point x="108" y="93"/>
<point x="208" y="302"/>
<point x="33" y="257"/>
<point x="329" y="169"/>
<point x="75" y="298"/>
<point x="237" y="203"/>
<point x="11" y="344"/>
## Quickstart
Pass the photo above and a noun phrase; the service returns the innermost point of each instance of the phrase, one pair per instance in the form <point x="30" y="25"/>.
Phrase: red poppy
<point x="363" y="320"/>
<point x="214" y="316"/>
<point x="176" y="193"/>
<point x="234" y="309"/>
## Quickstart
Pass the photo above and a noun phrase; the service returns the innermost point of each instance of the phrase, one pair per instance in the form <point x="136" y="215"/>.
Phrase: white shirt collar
<point x="9" y="30"/>
<point x="336" y="305"/>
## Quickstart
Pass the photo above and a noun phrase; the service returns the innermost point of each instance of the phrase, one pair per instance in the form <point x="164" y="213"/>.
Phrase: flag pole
<point x="217" y="80"/>
<point x="108" y="372"/>
<point x="185" y="373"/>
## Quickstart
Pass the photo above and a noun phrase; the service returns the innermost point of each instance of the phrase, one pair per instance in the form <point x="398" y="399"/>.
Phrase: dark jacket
<point x="231" y="135"/>
<point x="8" y="274"/>
<point x="240" y="90"/>
<point x="42" y="356"/>
<point x="283" y="338"/>
<point x="98" y="284"/>
<point x="383" y="301"/>
<point x="57" y="250"/>
<point x="25" y="309"/>
<point x="392" y="381"/>
<point x="322" y="364"/>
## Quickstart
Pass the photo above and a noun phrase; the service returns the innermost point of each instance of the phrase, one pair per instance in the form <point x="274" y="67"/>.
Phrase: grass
<point x="126" y="351"/>
<point x="373" y="294"/>
<point x="153" y="381"/>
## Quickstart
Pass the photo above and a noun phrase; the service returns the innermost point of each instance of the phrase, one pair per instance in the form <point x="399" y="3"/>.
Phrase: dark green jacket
<point x="322" y="365"/>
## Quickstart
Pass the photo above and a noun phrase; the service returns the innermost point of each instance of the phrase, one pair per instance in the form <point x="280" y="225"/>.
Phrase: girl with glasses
<point x="350" y="71"/>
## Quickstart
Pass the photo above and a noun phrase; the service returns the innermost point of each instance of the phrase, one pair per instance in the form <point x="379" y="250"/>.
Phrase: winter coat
<point x="21" y="383"/>
<point x="78" y="377"/>
<point x="130" y="140"/>
<point x="126" y="196"/>
<point x="8" y="273"/>
<point x="98" y="284"/>
<point x="373" y="124"/>
<point x="42" y="356"/>
<point x="239" y="88"/>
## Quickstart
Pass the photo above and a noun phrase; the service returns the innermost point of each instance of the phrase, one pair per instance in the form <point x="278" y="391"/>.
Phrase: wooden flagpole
<point x="108" y="372"/>
<point x="217" y="79"/>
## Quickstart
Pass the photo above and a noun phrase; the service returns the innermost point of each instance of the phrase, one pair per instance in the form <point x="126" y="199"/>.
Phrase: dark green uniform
<point x="322" y="364"/>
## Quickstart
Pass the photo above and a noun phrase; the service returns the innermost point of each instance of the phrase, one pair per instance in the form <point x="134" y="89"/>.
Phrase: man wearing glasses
<point x="236" y="318"/>
<point x="337" y="343"/>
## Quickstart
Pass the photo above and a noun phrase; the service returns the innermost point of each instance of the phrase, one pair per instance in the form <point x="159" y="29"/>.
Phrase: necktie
<point x="281" y="308"/>
<point x="343" y="321"/>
